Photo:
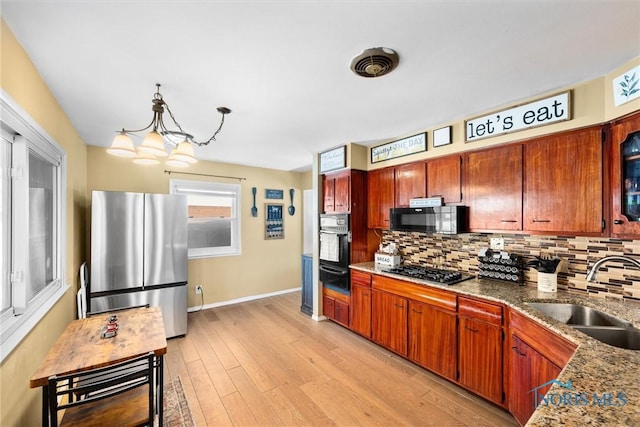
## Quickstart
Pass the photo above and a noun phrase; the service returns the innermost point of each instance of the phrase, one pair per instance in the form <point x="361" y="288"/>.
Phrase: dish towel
<point x="329" y="247"/>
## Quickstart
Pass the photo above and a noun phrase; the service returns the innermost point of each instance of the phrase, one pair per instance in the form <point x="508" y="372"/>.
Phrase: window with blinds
<point x="33" y="234"/>
<point x="214" y="217"/>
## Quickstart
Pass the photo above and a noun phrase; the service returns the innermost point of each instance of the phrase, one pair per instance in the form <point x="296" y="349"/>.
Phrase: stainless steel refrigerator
<point x="139" y="254"/>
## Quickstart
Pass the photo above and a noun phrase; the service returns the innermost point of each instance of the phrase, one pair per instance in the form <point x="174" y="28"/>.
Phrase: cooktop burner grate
<point x="447" y="277"/>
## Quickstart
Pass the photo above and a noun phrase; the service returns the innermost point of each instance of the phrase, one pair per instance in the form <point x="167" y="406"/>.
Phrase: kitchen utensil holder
<point x="547" y="282"/>
<point x="509" y="269"/>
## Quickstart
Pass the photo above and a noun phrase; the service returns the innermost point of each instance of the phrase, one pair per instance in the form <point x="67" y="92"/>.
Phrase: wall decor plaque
<point x="402" y="147"/>
<point x="273" y="194"/>
<point x="274" y="222"/>
<point x="333" y="159"/>
<point x="542" y="112"/>
<point x="626" y="87"/>
<point x="442" y="136"/>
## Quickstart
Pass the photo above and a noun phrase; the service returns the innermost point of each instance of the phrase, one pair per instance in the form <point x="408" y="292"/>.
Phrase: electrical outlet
<point x="497" y="243"/>
<point x="198" y="289"/>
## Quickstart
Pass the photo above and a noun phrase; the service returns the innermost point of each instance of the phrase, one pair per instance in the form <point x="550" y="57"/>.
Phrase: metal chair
<point x="81" y="297"/>
<point x="117" y="395"/>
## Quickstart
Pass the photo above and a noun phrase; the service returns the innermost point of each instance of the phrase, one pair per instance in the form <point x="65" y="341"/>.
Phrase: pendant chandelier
<point x="180" y="143"/>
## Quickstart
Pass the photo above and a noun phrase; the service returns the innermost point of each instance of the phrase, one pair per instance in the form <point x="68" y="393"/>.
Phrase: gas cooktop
<point x="446" y="277"/>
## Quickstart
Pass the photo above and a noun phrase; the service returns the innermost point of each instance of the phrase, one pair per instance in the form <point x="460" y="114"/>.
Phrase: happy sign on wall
<point x="537" y="113"/>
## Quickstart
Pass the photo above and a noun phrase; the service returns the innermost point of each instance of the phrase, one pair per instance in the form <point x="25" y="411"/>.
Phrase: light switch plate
<point x="497" y="243"/>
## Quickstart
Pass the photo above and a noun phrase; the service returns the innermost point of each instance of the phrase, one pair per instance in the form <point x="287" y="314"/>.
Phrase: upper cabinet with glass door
<point x="625" y="177"/>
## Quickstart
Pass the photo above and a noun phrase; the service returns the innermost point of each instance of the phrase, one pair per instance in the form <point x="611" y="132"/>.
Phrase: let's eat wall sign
<point x="542" y="112"/>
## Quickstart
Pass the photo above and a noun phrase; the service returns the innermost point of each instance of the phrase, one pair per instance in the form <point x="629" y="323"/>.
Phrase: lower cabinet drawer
<point x="480" y="310"/>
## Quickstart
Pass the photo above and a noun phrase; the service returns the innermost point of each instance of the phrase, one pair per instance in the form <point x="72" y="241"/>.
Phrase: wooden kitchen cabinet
<point x="336" y="191"/>
<point x="335" y="306"/>
<point x="346" y="192"/>
<point x="410" y="183"/>
<point x="433" y="338"/>
<point x="341" y="314"/>
<point x="529" y="370"/>
<point x="381" y="197"/>
<point x="480" y="364"/>
<point x="360" y="307"/>
<point x="444" y="178"/>
<point x="342" y="193"/>
<point x="493" y="193"/>
<point x="393" y="187"/>
<point x="535" y="356"/>
<point x="625" y="177"/>
<point x="328" y="194"/>
<point x="563" y="183"/>
<point x="460" y="337"/>
<point x="389" y="321"/>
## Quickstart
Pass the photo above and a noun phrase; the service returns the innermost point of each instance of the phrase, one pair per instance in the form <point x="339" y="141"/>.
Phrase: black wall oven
<point x="335" y="241"/>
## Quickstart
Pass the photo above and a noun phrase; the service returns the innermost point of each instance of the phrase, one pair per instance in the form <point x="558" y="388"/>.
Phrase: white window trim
<point x="14" y="329"/>
<point x="197" y="253"/>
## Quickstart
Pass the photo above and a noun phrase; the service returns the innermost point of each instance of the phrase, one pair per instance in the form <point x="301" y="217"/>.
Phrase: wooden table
<point x="80" y="347"/>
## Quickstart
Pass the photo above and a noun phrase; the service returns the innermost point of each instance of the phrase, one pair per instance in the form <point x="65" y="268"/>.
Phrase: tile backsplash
<point x="615" y="279"/>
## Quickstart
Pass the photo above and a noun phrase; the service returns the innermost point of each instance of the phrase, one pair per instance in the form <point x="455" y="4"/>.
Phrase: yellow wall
<point x="307" y="180"/>
<point x="19" y="405"/>
<point x="265" y="266"/>
<point x="591" y="102"/>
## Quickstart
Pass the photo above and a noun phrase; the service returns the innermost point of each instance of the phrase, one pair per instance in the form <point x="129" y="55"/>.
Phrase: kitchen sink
<point x="575" y="314"/>
<point x="627" y="338"/>
<point x="601" y="326"/>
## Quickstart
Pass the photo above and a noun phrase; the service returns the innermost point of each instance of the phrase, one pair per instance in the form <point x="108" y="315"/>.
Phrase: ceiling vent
<point x="375" y="62"/>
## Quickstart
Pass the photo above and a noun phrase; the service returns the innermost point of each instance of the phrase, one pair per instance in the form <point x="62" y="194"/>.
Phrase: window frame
<point x="14" y="327"/>
<point x="183" y="186"/>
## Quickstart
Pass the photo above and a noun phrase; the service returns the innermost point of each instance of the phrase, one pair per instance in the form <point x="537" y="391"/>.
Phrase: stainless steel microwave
<point x="436" y="219"/>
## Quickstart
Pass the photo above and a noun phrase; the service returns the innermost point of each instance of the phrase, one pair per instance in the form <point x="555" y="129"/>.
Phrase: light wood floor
<point x="264" y="363"/>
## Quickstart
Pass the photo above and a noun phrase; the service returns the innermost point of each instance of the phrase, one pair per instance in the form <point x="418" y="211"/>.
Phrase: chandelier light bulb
<point x="153" y="144"/>
<point x="146" y="159"/>
<point x="122" y="146"/>
<point x="176" y="163"/>
<point x="184" y="152"/>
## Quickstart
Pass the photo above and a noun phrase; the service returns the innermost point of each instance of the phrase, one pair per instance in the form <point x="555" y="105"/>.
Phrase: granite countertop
<point x="594" y="369"/>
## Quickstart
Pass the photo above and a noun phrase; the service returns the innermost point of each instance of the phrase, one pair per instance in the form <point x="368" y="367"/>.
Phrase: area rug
<point x="176" y="407"/>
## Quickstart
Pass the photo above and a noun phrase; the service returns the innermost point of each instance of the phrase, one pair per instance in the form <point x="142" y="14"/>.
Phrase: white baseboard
<point x="243" y="299"/>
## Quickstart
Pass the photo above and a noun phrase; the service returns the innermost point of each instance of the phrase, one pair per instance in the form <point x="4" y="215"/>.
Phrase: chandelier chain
<point x="192" y="140"/>
<point x="174" y="119"/>
<point x="213" y="137"/>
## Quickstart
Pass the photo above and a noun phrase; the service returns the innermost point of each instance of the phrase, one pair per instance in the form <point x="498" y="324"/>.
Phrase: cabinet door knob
<point x="470" y="329"/>
<point x="541" y="220"/>
<point x="416" y="311"/>
<point x="618" y="221"/>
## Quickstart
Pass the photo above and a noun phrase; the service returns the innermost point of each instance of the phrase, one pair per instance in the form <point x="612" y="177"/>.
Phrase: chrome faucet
<point x="591" y="275"/>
